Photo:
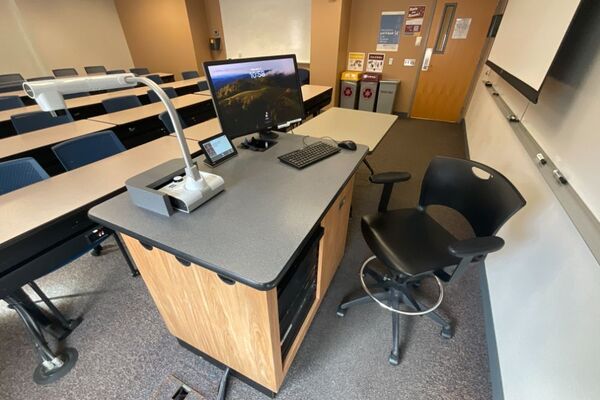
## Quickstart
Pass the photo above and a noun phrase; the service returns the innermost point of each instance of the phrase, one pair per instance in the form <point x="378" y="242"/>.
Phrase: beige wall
<point x="213" y="19"/>
<point x="198" y="25"/>
<point x="39" y="35"/>
<point x="158" y="34"/>
<point x="364" y="29"/>
<point x="329" y="39"/>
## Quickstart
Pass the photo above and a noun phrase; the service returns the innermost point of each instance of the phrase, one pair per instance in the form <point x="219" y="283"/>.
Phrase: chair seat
<point x="409" y="241"/>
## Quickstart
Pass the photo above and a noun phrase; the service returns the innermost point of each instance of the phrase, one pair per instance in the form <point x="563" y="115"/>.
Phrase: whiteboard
<point x="529" y="36"/>
<point x="266" y="27"/>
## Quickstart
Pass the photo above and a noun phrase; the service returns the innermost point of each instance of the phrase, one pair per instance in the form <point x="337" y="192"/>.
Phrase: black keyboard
<point x="309" y="155"/>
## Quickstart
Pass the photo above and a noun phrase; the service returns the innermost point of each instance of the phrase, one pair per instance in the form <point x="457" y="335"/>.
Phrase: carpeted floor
<point x="125" y="351"/>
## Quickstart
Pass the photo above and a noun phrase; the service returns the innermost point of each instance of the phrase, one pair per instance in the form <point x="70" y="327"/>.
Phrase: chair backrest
<point x="10" y="102"/>
<point x="63" y="72"/>
<point x="303" y="76"/>
<point x="166" y="120"/>
<point x="139" y="71"/>
<point x="83" y="150"/>
<point x="75" y="95"/>
<point x="190" y="74"/>
<point x="15" y="174"/>
<point x="95" y="69"/>
<point x="202" y="85"/>
<point x="115" y="71"/>
<point x="11" y="78"/>
<point x="485" y="197"/>
<point x="32" y="121"/>
<point x="154" y="97"/>
<point x="40" y="78"/>
<point x="121" y="103"/>
<point x="155" y="78"/>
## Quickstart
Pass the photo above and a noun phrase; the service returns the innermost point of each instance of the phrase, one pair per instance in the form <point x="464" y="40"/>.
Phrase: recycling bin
<point x="368" y="91"/>
<point x="386" y="96"/>
<point x="349" y="89"/>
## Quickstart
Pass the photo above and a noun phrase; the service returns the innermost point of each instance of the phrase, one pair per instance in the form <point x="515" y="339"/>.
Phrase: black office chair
<point x="10" y="102"/>
<point x="115" y="71"/>
<point x="65" y="72"/>
<point x="155" y="78"/>
<point x="154" y="97"/>
<point x="303" y="76"/>
<point x="190" y="74"/>
<point x="121" y="103"/>
<point x="32" y="121"/>
<point x="83" y="150"/>
<point x="202" y="85"/>
<point x="95" y="69"/>
<point x="413" y="246"/>
<point x="40" y="78"/>
<point x="139" y="71"/>
<point x="75" y="95"/>
<point x="166" y="120"/>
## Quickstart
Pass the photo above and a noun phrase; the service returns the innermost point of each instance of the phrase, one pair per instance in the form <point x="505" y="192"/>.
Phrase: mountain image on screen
<point x="257" y="98"/>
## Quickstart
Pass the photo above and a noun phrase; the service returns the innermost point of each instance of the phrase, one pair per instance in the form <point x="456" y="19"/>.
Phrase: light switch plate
<point x="418" y="40"/>
<point x="409" y="62"/>
<point x="390" y="61"/>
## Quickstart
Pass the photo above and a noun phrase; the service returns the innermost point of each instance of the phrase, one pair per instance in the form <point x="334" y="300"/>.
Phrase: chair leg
<point x="134" y="271"/>
<point x="361" y="298"/>
<point x="96" y="251"/>
<point x="394" y="358"/>
<point x="447" y="328"/>
<point x="52" y="366"/>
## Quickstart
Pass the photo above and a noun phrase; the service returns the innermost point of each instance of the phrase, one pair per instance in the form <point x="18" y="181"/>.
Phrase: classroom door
<point x="456" y="40"/>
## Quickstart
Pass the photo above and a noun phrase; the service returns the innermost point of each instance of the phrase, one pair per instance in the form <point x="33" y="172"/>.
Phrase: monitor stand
<point x="264" y="141"/>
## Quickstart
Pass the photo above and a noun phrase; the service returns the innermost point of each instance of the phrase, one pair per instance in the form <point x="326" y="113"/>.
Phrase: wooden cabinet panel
<point x="234" y="324"/>
<point x="333" y="242"/>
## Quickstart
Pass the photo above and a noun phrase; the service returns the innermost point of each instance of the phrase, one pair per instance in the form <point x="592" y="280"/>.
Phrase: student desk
<point x="141" y="124"/>
<point x="214" y="273"/>
<point x="363" y="127"/>
<point x="315" y="97"/>
<point x="165" y="76"/>
<point x="49" y="219"/>
<point x="90" y="106"/>
<point x="37" y="144"/>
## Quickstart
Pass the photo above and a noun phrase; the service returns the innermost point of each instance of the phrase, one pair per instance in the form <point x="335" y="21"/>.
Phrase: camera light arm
<point x="49" y="96"/>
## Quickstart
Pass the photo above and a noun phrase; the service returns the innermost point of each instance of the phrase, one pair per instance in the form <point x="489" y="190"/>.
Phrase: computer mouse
<point x="347" y="144"/>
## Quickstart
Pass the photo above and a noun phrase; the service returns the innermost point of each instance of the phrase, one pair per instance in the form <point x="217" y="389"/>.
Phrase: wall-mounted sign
<point x="414" y="20"/>
<point x="461" y="28"/>
<point x="389" y="30"/>
<point x="375" y="62"/>
<point x="356" y="61"/>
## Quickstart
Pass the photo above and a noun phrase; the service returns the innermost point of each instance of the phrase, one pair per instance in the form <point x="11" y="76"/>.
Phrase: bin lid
<point x="351" y="75"/>
<point x="371" y="77"/>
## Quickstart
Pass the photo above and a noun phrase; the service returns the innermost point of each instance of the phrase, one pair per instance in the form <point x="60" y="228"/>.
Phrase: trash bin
<point x="368" y="91"/>
<point x="386" y="96"/>
<point x="349" y="89"/>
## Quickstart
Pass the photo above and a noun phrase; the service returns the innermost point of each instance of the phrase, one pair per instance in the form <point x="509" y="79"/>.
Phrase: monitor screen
<point x="255" y="94"/>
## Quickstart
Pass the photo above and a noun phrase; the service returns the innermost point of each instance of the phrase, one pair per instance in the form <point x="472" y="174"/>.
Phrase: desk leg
<point x="134" y="271"/>
<point x="53" y="366"/>
<point x="67" y="325"/>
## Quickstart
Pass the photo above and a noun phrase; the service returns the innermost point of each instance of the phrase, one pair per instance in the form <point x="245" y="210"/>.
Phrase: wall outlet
<point x="390" y="61"/>
<point x="410" y="62"/>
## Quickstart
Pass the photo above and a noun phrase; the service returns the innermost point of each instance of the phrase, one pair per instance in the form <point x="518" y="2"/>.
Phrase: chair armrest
<point x="389" y="177"/>
<point x="476" y="246"/>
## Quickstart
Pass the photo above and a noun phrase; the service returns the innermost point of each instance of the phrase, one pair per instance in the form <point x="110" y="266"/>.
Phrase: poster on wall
<point x="414" y="20"/>
<point x="356" y="61"/>
<point x="389" y="30"/>
<point x="461" y="28"/>
<point x="375" y="62"/>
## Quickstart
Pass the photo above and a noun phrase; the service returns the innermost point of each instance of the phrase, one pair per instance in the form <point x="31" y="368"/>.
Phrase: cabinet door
<point x="333" y="242"/>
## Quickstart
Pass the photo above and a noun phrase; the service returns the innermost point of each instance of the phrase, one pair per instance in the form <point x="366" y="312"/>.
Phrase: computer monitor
<point x="255" y="94"/>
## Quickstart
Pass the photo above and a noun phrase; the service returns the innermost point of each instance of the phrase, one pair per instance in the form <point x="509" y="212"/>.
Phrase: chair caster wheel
<point x="447" y="332"/>
<point x="96" y="251"/>
<point x="394" y="359"/>
<point x="341" y="312"/>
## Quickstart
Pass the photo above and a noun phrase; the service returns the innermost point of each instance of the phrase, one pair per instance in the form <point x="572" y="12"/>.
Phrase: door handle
<point x="427" y="59"/>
